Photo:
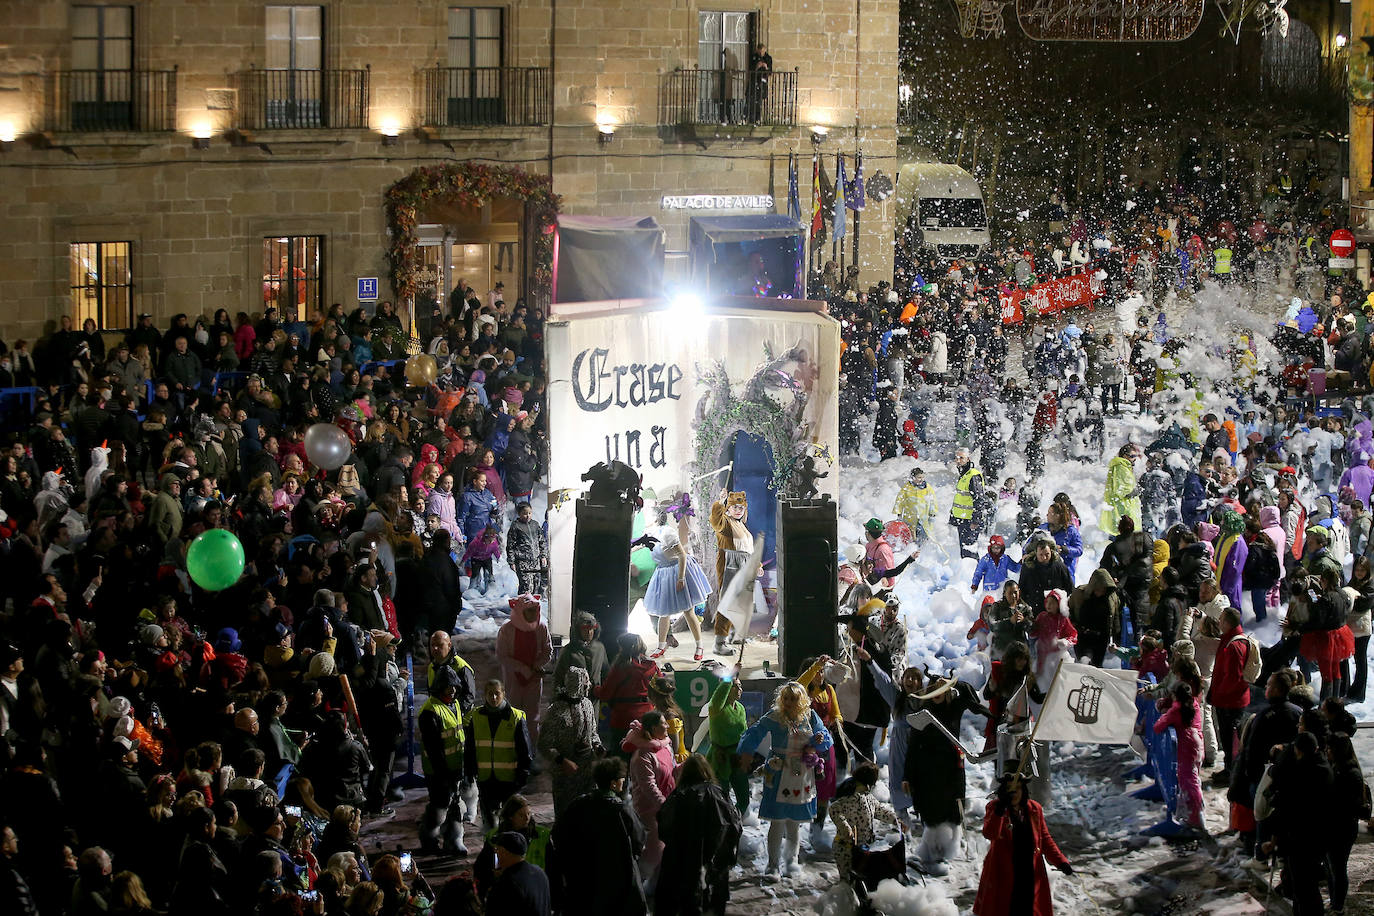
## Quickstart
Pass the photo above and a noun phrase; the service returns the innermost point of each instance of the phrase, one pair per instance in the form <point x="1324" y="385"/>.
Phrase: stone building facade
<point x="168" y="156"/>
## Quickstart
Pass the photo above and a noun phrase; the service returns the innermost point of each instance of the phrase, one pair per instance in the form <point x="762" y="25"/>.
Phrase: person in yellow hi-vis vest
<point x="967" y="513"/>
<point x="441" y="754"/>
<point x="1221" y="262"/>
<point x="497" y="751"/>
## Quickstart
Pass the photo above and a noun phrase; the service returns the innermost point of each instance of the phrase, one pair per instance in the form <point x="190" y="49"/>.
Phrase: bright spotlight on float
<point x="687" y="304"/>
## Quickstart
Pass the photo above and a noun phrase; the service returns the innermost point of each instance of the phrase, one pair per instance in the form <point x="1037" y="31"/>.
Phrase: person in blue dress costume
<point x="799" y="741"/>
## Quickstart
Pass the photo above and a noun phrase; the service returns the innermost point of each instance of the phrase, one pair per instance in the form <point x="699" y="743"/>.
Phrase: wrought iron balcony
<point x="487" y="96"/>
<point x="302" y="99"/>
<point x="730" y="97"/>
<point x="112" y="100"/>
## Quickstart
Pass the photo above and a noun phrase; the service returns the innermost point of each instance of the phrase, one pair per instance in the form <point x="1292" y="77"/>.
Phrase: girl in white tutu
<point x="678" y="586"/>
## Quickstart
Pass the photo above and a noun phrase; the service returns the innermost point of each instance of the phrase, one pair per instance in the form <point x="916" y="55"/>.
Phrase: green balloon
<point x="642" y="559"/>
<point x="215" y="560"/>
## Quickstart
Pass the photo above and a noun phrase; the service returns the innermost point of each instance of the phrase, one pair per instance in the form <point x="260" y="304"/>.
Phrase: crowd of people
<point x="172" y="749"/>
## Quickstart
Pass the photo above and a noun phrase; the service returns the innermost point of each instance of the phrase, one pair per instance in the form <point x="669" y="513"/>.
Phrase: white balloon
<point x="327" y="446"/>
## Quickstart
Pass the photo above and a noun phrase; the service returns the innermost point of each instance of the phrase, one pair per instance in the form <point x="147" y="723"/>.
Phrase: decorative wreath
<point x="468" y="184"/>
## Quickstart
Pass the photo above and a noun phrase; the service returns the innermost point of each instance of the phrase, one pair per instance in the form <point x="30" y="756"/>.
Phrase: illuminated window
<point x="102" y="284"/>
<point x="291" y="271"/>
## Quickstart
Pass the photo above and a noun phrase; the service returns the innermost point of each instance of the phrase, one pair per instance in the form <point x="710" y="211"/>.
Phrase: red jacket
<point x="994" y="885"/>
<point x="626" y="690"/>
<point x="1229" y="689"/>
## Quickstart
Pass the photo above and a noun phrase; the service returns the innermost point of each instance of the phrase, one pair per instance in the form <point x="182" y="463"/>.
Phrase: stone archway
<point x="469" y="185"/>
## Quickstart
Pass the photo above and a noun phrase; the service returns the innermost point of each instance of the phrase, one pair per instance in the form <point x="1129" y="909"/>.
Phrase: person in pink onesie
<point x="1185" y="717"/>
<point x="523" y="648"/>
<point x="652" y="778"/>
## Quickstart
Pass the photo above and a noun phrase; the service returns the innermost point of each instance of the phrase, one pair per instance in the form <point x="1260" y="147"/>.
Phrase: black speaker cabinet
<point x="601" y="566"/>
<point x="807" y="570"/>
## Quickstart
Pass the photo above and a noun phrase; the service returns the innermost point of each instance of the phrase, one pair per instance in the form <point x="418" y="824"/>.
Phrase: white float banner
<point x="1087" y="704"/>
<point x="624" y="386"/>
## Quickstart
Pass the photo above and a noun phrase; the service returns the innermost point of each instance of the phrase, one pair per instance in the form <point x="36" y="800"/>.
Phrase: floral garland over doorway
<point x="467" y="184"/>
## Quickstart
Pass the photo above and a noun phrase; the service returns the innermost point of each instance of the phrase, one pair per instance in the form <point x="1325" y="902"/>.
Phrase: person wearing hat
<point x="994" y="568"/>
<point x="966" y="513"/>
<point x="878" y="552"/>
<point x="164" y="515"/>
<point x="521" y="888"/>
<point x="442" y="759"/>
<point x="862" y="720"/>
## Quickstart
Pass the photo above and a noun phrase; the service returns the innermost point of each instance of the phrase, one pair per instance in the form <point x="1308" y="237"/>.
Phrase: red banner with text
<point x="1050" y="297"/>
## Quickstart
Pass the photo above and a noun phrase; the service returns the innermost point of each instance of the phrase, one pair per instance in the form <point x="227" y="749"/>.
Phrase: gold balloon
<point x="421" y="370"/>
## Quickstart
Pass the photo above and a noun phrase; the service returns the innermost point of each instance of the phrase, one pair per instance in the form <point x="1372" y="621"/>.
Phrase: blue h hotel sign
<point x="367" y="289"/>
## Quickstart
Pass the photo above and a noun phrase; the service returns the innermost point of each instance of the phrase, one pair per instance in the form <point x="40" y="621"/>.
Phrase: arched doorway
<point x="506" y="212"/>
<point x="478" y="245"/>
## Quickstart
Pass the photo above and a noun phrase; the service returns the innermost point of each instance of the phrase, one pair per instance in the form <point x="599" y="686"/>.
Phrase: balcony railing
<point x="487" y="96"/>
<point x="734" y="97"/>
<point x="302" y="99"/>
<point x="112" y="100"/>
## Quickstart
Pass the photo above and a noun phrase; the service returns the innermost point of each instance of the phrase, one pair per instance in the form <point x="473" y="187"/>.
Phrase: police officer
<point x="965" y="514"/>
<point x="441" y="750"/>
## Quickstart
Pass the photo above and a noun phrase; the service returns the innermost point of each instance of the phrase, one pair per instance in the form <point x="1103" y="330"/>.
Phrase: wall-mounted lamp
<point x="7" y="134"/>
<point x="390" y="129"/>
<point x="818" y="133"/>
<point x="605" y="132"/>
<point x="200" y="136"/>
<point x="1341" y="41"/>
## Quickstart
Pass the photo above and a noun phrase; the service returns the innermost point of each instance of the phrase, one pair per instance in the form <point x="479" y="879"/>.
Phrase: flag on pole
<point x="820" y="193"/>
<point x="854" y="194"/>
<point x="1088" y="704"/>
<point x="737" y="602"/>
<point x="837" y="217"/>
<point x="793" y="193"/>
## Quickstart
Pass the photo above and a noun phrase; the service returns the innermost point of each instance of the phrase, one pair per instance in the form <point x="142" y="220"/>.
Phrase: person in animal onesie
<point x="729" y="517"/>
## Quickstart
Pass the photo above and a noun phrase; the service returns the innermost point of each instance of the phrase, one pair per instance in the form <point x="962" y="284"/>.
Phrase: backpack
<point x="1253" y="663"/>
<point x="1262" y="563"/>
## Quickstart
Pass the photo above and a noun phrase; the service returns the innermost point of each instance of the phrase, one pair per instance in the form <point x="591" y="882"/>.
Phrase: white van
<point x="940" y="210"/>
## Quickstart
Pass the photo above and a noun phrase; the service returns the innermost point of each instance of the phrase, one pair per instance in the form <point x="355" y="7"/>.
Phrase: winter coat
<point x="701" y="832"/>
<point x="1272" y="526"/>
<point x="590" y="656"/>
<point x="651" y="780"/>
<point x="445" y="505"/>
<point x="1194" y="499"/>
<point x="856" y="812"/>
<point x="992" y="573"/>
<point x="474" y="511"/>
<point x="1036" y="580"/>
<point x="1159" y="560"/>
<point x="626" y="690"/>
<point x="999" y="867"/>
<point x="520" y="461"/>
<point x="523" y="649"/>
<point x="1070" y="546"/>
<point x="599" y="878"/>
<point x="1122" y="496"/>
<point x="1194" y="567"/>
<point x="1229" y="688"/>
<point x="1097" y="613"/>
<point x="1204" y="647"/>
<point x="1169" y="610"/>
<point x="1049" y="628"/>
<point x="526" y="548"/>
<point x="936" y="361"/>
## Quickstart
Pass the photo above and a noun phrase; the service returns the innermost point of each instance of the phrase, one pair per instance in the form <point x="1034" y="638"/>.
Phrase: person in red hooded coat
<point x="1015" y="881"/>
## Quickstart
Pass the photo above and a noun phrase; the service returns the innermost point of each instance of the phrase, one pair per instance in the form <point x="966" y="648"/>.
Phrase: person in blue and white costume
<point x="799" y="741"/>
<point x="678" y="585"/>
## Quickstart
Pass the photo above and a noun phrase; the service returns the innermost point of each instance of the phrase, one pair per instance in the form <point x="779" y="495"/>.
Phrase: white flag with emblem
<point x="1088" y="704"/>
